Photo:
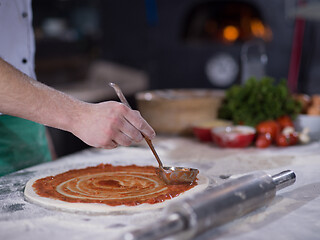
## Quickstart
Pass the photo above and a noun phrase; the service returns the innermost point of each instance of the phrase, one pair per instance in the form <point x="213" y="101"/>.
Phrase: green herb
<point x="257" y="101"/>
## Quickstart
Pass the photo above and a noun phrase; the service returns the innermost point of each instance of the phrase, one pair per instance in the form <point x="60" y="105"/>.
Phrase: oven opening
<point x="225" y="22"/>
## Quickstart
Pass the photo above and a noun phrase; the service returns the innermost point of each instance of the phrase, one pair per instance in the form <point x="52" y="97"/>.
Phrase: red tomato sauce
<point x="111" y="185"/>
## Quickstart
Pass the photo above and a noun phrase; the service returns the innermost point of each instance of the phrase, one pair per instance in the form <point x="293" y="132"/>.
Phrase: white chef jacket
<point x="17" y="45"/>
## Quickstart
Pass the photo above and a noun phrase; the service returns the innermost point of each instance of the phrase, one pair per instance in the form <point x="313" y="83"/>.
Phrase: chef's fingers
<point x="127" y="133"/>
<point x="108" y="145"/>
<point x="112" y="145"/>
<point x="135" y="119"/>
<point x="113" y="138"/>
<point x="123" y="140"/>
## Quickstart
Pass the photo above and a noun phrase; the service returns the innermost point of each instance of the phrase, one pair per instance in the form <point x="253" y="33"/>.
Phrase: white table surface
<point x="293" y="214"/>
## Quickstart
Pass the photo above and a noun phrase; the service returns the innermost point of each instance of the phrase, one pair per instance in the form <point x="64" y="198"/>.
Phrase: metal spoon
<point x="170" y="175"/>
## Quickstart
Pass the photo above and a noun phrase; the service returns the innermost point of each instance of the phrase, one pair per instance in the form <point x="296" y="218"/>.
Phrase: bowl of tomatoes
<point x="233" y="136"/>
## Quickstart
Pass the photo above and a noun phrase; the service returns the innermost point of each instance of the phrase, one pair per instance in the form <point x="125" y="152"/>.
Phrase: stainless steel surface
<point x="284" y="179"/>
<point x="217" y="206"/>
<point x="177" y="175"/>
<point x="254" y="60"/>
<point x="170" y="175"/>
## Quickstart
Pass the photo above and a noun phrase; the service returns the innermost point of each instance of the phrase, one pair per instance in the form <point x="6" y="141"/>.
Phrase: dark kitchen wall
<point x="125" y="32"/>
<point x="67" y="37"/>
<point x="309" y="77"/>
<point x="148" y="34"/>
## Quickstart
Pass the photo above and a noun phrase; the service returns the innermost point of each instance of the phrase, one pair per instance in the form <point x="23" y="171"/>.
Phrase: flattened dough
<point x="97" y="208"/>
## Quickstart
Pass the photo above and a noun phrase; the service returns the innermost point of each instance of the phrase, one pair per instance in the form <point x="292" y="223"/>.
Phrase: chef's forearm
<point x="27" y="98"/>
<point x="107" y="124"/>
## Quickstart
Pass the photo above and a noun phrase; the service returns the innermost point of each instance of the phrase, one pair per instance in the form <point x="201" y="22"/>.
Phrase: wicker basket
<point x="175" y="111"/>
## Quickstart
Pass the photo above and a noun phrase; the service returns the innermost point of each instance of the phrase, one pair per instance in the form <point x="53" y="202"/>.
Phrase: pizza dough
<point x="76" y="188"/>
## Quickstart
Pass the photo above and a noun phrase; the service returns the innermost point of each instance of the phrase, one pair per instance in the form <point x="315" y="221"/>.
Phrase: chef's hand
<point x="109" y="124"/>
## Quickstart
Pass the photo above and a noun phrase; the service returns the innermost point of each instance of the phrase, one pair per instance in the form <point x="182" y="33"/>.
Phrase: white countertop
<point x="293" y="214"/>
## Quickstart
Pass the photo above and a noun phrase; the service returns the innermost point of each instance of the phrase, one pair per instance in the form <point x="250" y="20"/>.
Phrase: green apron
<point x="22" y="144"/>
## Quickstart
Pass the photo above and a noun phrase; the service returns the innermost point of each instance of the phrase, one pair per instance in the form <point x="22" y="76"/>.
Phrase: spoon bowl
<point x="177" y="175"/>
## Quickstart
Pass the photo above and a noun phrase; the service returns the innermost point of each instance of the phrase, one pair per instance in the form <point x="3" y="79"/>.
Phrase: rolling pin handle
<point x="284" y="179"/>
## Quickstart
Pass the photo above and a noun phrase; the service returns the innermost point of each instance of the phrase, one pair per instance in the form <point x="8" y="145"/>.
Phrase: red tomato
<point x="287" y="140"/>
<point x="263" y="140"/>
<point x="271" y="127"/>
<point x="294" y="138"/>
<point x="285" y="121"/>
<point x="282" y="140"/>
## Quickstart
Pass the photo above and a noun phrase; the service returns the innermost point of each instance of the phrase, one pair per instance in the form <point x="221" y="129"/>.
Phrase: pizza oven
<point x="235" y="25"/>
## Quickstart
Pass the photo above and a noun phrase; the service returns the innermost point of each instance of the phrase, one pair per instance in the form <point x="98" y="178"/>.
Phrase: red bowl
<point x="203" y="134"/>
<point x="233" y="136"/>
<point x="202" y="130"/>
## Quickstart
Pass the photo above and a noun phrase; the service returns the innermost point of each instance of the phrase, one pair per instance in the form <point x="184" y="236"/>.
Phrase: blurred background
<point x="172" y="44"/>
